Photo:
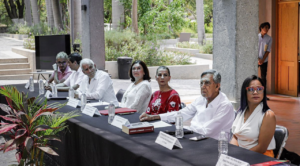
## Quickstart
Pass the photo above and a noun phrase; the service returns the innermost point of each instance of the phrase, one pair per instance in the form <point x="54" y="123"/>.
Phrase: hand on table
<point x="48" y="88"/>
<point x="75" y="87"/>
<point x="146" y="117"/>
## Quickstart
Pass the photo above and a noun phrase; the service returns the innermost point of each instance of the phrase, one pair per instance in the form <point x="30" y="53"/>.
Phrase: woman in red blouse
<point x="165" y="99"/>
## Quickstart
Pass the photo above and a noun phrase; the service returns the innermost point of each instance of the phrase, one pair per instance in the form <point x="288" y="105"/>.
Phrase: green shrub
<point x="24" y="29"/>
<point x="13" y="29"/>
<point x="207" y="49"/>
<point x="188" y="45"/>
<point x="143" y="48"/>
<point x="208" y="28"/>
<point x="29" y="43"/>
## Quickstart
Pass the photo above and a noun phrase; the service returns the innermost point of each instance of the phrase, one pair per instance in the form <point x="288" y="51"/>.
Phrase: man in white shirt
<point x="96" y="84"/>
<point x="211" y="113"/>
<point x="74" y="80"/>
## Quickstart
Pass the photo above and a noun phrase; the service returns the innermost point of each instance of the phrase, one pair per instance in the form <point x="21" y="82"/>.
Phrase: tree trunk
<point x="35" y="13"/>
<point x="20" y="5"/>
<point x="75" y="18"/>
<point x="11" y="16"/>
<point x="56" y="14"/>
<point x="117" y="15"/>
<point x="28" y="17"/>
<point x="200" y="21"/>
<point x="13" y="9"/>
<point x="134" y="17"/>
<point x="50" y="19"/>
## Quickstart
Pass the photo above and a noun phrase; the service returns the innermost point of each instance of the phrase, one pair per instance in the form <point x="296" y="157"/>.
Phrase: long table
<point x="92" y="141"/>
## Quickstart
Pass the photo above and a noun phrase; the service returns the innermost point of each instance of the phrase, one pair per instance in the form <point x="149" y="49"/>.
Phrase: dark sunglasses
<point x="258" y="89"/>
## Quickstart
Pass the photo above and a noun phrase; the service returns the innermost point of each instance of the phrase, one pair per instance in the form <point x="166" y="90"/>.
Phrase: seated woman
<point x="138" y="93"/>
<point x="254" y="125"/>
<point x="165" y="99"/>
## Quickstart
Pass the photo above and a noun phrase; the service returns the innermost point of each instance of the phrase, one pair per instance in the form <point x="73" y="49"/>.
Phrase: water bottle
<point x="179" y="126"/>
<point x="111" y="112"/>
<point x="54" y="90"/>
<point x="83" y="101"/>
<point x="41" y="87"/>
<point x="223" y="143"/>
<point x="71" y="93"/>
<point x="31" y="84"/>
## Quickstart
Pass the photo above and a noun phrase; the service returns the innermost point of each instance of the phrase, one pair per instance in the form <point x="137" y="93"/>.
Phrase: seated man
<point x="74" y="80"/>
<point x="61" y="69"/>
<point x="96" y="84"/>
<point x="211" y="113"/>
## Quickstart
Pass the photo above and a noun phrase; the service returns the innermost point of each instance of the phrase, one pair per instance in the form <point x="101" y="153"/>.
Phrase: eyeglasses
<point x="206" y="83"/>
<point x="258" y="89"/>
<point x="62" y="63"/>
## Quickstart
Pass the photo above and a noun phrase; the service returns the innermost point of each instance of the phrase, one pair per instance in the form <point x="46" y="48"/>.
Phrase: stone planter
<point x="178" y="71"/>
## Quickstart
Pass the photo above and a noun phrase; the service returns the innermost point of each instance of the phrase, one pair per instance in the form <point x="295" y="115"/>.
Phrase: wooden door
<point x="288" y="48"/>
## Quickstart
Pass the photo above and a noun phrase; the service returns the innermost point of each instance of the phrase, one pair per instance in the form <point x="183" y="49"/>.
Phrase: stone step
<point x="15" y="77"/>
<point x="14" y="65"/>
<point x="14" y="71"/>
<point x="13" y="60"/>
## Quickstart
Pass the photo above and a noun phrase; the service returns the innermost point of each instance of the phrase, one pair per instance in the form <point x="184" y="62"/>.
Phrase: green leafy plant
<point x="206" y="49"/>
<point x="29" y="43"/>
<point x="143" y="48"/>
<point x="31" y="123"/>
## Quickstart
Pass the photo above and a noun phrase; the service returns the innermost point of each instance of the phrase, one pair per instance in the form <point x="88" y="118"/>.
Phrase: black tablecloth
<point x="92" y="141"/>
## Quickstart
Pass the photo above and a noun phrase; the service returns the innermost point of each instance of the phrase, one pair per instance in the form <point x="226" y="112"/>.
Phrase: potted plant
<point x="30" y="124"/>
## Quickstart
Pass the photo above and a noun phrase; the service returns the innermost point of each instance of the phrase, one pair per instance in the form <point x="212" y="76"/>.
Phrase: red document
<point x="119" y="111"/>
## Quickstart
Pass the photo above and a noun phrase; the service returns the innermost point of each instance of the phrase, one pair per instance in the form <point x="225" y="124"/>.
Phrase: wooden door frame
<point x="278" y="2"/>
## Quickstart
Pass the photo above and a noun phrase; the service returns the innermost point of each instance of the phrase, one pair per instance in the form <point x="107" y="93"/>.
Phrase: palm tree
<point x="56" y="13"/>
<point x="50" y="18"/>
<point x="35" y="12"/>
<point x="28" y="16"/>
<point x="200" y="21"/>
<point x="134" y="17"/>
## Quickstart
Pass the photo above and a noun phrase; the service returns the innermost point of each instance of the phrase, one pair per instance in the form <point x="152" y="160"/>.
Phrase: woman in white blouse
<point x="138" y="93"/>
<point x="254" y="125"/>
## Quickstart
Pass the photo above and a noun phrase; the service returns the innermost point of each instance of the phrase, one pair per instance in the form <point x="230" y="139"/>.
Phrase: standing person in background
<point x="61" y="69"/>
<point x="264" y="49"/>
<point x="138" y="94"/>
<point x="165" y="99"/>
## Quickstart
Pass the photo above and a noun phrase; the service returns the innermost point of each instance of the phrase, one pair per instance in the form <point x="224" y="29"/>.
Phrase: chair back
<point x="281" y="136"/>
<point x="120" y="94"/>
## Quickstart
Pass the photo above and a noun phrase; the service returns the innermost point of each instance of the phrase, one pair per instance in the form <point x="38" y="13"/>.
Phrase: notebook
<point x="119" y="111"/>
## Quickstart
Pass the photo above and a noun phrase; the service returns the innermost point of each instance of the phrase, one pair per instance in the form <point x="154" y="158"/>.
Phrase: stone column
<point x="117" y="15"/>
<point x="93" y="44"/>
<point x="235" y="43"/>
